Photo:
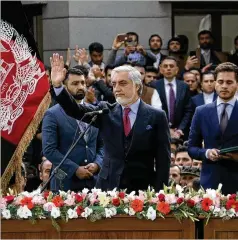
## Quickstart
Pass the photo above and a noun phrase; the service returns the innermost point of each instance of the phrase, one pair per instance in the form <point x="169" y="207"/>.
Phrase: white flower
<point x="222" y="212"/>
<point x="170" y="198"/>
<point x="85" y="191"/>
<point x="48" y="206"/>
<point x="131" y="212"/>
<point x="179" y="189"/>
<point x="55" y="212"/>
<point x="131" y="196"/>
<point x="72" y="213"/>
<point x="113" y="193"/>
<point x="210" y="193"/>
<point x="24" y="212"/>
<point x="103" y="199"/>
<point x="126" y="210"/>
<point x="114" y="211"/>
<point x="62" y="193"/>
<point x="6" y="214"/>
<point x="216" y="211"/>
<point x="211" y="208"/>
<point x="108" y="212"/>
<point x="87" y="212"/>
<point x="160" y="192"/>
<point x="231" y="212"/>
<point x="96" y="190"/>
<point x="151" y="214"/>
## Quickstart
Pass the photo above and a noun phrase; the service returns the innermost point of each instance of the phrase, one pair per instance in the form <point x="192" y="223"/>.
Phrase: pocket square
<point x="148" y="127"/>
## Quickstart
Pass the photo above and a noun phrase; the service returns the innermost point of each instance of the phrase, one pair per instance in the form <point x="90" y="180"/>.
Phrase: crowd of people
<point x="175" y="85"/>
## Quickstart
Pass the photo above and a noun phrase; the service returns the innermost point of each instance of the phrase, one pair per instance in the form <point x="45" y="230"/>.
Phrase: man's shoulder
<point x="204" y="109"/>
<point x="197" y="97"/>
<point x="153" y="110"/>
<point x="54" y="109"/>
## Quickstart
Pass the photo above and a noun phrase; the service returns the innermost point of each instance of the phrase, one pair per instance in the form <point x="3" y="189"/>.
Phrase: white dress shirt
<point x="158" y="57"/>
<point x="155" y="100"/>
<point x="207" y="55"/>
<point x="133" y="113"/>
<point x="167" y="89"/>
<point x="208" y="97"/>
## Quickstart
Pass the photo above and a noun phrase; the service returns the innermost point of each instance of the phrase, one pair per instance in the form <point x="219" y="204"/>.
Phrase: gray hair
<point x="133" y="74"/>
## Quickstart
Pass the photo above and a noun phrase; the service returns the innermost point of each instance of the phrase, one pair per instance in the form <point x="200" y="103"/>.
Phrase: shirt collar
<point x="231" y="102"/>
<point x="208" y="94"/>
<point x="205" y="51"/>
<point x="166" y="82"/>
<point x="134" y="107"/>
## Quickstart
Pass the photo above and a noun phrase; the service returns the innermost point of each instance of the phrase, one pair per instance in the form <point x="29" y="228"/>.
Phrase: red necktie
<point x="126" y="121"/>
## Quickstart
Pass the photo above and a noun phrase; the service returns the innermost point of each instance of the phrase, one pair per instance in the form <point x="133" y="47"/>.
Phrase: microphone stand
<point x="57" y="169"/>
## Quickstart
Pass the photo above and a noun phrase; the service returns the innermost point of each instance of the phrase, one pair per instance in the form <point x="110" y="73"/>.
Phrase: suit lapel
<point x="213" y="118"/>
<point x="179" y="92"/>
<point x="118" y="130"/>
<point x="72" y="121"/>
<point x="139" y="126"/>
<point x="233" y="120"/>
<point x="162" y="95"/>
<point x="201" y="99"/>
<point x="214" y="96"/>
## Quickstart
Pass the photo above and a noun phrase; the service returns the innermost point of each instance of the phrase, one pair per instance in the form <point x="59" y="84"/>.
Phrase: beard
<point x="79" y="96"/>
<point x="125" y="101"/>
<point x="157" y="49"/>
<point x="206" y="46"/>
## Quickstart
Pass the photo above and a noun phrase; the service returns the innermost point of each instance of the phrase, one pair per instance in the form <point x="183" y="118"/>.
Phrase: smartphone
<point x="192" y="53"/>
<point x="122" y="38"/>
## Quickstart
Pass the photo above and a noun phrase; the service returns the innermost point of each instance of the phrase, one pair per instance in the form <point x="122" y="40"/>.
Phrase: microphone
<point x="99" y="112"/>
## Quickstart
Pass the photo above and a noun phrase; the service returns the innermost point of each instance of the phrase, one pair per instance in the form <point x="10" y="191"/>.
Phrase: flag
<point x="24" y="98"/>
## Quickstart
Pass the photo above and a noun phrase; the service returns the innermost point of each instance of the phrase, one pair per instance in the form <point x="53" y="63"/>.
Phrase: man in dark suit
<point x="208" y="94"/>
<point x="216" y="125"/>
<point x="175" y="98"/>
<point x="155" y="43"/>
<point x="59" y="131"/>
<point x="135" y="135"/>
<point x="206" y="54"/>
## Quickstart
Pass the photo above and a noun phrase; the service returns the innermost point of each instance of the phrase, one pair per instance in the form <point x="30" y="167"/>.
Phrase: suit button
<point x="86" y="146"/>
<point x="85" y="160"/>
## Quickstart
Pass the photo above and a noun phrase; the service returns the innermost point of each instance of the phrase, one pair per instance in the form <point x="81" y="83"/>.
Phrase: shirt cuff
<point x="206" y="154"/>
<point x="58" y="90"/>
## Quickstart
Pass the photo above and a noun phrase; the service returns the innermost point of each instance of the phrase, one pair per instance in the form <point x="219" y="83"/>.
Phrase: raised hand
<point x="117" y="43"/>
<point x="191" y="62"/>
<point x="80" y="55"/>
<point x="58" y="72"/>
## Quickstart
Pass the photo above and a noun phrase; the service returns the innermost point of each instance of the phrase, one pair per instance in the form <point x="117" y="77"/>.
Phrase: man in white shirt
<point x="208" y="87"/>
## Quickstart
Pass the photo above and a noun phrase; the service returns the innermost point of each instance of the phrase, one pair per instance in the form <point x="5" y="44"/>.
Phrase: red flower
<point x="190" y="203"/>
<point x="79" y="210"/>
<point x="163" y="207"/>
<point x="180" y="200"/>
<point x="137" y="205"/>
<point x="232" y="204"/>
<point x="161" y="197"/>
<point x="58" y="201"/>
<point x="27" y="201"/>
<point x="233" y="196"/>
<point x="121" y="195"/>
<point x="9" y="198"/>
<point x="46" y="194"/>
<point x="116" y="202"/>
<point x="206" y="203"/>
<point x="78" y="198"/>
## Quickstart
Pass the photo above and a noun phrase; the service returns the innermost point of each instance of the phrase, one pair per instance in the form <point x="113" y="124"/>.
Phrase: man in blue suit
<point x="208" y="87"/>
<point x="59" y="131"/>
<point x="216" y="125"/>
<point x="174" y="95"/>
<point x="135" y="135"/>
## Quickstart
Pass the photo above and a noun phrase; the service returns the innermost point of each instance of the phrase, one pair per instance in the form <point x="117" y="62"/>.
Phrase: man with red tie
<point x="135" y="135"/>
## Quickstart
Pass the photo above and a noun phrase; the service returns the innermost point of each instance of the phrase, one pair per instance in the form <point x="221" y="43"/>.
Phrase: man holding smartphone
<point x="133" y="53"/>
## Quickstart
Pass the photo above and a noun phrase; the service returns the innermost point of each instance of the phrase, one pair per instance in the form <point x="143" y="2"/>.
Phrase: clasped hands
<point x="86" y="172"/>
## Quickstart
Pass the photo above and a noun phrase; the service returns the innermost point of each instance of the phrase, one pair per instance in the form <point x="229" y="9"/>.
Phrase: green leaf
<point x="55" y="224"/>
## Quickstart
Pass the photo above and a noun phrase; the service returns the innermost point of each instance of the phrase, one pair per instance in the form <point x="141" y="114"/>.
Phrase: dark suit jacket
<point x="150" y="144"/>
<point x="198" y="100"/>
<point x="58" y="132"/>
<point x="205" y="126"/>
<point x="183" y="110"/>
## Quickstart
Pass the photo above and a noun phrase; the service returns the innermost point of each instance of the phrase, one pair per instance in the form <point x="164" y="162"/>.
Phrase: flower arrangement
<point x="96" y="204"/>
